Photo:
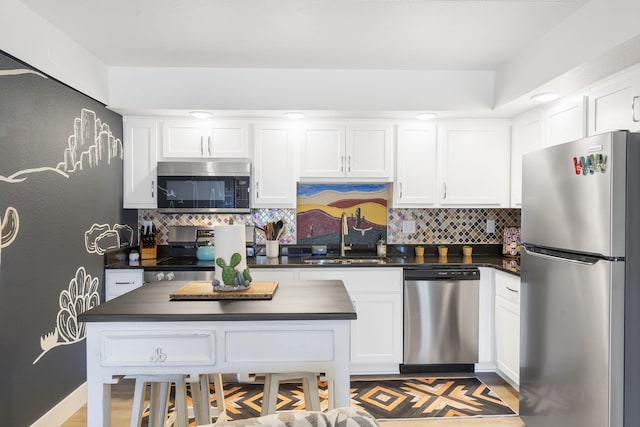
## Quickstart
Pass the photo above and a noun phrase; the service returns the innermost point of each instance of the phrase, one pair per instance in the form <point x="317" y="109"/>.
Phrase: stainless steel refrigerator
<point x="580" y="272"/>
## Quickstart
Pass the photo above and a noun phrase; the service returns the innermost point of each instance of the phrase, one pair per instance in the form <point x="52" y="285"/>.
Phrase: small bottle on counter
<point x="381" y="247"/>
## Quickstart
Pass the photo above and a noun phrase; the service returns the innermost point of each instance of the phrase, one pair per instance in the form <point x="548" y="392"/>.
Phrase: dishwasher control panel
<point x="458" y="273"/>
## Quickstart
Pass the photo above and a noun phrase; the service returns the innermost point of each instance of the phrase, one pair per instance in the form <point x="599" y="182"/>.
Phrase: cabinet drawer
<point x="148" y="348"/>
<point x="118" y="282"/>
<point x="279" y="346"/>
<point x="508" y="287"/>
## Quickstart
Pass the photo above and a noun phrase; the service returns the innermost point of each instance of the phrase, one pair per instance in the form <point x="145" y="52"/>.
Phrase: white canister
<point x="272" y="248"/>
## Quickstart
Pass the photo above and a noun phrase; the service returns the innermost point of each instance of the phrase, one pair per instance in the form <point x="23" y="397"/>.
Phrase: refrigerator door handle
<point x="591" y="261"/>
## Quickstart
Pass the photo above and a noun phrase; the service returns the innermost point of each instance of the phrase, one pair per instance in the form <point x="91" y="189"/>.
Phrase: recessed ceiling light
<point x="200" y="114"/>
<point x="294" y="116"/>
<point x="545" y="96"/>
<point x="425" y="116"/>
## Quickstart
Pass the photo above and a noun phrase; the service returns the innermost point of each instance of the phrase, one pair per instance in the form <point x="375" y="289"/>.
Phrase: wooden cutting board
<point x="202" y="290"/>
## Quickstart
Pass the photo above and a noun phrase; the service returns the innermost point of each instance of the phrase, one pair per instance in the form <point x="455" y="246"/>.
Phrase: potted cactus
<point x="232" y="279"/>
<point x="443" y="250"/>
<point x="466" y="250"/>
<point x="419" y="250"/>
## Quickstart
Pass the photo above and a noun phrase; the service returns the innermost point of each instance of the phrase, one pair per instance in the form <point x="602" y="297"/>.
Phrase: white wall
<point x="305" y="89"/>
<point x="28" y="37"/>
<point x="599" y="39"/>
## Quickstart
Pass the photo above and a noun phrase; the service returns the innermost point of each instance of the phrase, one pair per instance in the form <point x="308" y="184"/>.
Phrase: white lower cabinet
<point x="376" y="336"/>
<point x="121" y="281"/>
<point x="507" y="327"/>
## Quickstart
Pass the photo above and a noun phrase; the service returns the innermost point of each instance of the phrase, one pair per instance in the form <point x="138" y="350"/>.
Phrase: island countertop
<point x="300" y="300"/>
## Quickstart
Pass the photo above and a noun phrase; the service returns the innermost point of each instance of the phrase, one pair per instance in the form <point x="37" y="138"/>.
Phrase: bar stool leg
<point x="221" y="409"/>
<point x="137" y="408"/>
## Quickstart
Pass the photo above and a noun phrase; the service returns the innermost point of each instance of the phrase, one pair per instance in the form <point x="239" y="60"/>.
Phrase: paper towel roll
<point x="229" y="239"/>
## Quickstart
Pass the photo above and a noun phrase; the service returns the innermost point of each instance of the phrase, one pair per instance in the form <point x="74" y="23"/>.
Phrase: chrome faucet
<point x="344" y="230"/>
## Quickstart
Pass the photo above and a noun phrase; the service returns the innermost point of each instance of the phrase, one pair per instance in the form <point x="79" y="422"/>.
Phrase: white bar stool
<point x="159" y="399"/>
<point x="272" y="385"/>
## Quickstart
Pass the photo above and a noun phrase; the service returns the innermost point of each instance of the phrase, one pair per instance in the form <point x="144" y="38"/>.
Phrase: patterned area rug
<point x="413" y="398"/>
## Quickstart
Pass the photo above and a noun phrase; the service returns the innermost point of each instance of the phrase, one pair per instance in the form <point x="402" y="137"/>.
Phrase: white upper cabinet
<point x="615" y="104"/>
<point x="416" y="167"/>
<point x="356" y="151"/>
<point x="474" y="163"/>
<point x="566" y="121"/>
<point x="205" y="139"/>
<point x="274" y="172"/>
<point x="526" y="136"/>
<point x="140" y="163"/>
<point x="369" y="150"/>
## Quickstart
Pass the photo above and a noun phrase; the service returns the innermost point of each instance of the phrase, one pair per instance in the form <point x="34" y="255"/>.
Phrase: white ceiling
<point x="337" y="34"/>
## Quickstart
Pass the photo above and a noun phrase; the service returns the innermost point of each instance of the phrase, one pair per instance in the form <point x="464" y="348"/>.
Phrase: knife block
<point x="148" y="253"/>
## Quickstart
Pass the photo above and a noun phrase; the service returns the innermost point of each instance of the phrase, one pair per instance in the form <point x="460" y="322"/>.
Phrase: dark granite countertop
<point x="151" y="303"/>
<point x="509" y="265"/>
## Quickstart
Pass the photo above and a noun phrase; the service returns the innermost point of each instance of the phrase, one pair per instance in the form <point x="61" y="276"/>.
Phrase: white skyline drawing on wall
<point x="101" y="237"/>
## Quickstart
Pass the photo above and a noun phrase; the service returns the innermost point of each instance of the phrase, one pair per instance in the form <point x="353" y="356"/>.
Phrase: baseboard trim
<point x="64" y="409"/>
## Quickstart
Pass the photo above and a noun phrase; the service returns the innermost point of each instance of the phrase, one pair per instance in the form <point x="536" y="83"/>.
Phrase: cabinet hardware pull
<point x="342" y="165"/>
<point x="257" y="189"/>
<point x="512" y="290"/>
<point x="209" y="144"/>
<point x="159" y="356"/>
<point x="124" y="283"/>
<point x="349" y="163"/>
<point x="633" y="109"/>
<point x="202" y="145"/>
<point x="153" y="189"/>
<point x="400" y="185"/>
<point x="444" y="190"/>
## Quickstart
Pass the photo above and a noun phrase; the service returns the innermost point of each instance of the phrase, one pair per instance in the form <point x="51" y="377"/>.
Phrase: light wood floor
<point x="123" y="393"/>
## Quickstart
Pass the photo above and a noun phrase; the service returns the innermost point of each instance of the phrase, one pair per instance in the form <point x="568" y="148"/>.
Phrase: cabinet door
<point x="274" y="167"/>
<point x="566" y="122"/>
<point x="376" y="336"/>
<point x="416" y="167"/>
<point x="613" y="105"/>
<point x="323" y="151"/>
<point x="507" y="327"/>
<point x="526" y="137"/>
<point x="184" y="138"/>
<point x="474" y="164"/>
<point x="227" y="139"/>
<point x="508" y="340"/>
<point x="369" y="151"/>
<point x="140" y="164"/>
<point x="208" y="139"/>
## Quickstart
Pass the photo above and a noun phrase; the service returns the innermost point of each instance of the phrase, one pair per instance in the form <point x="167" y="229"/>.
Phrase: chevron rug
<point x="411" y="398"/>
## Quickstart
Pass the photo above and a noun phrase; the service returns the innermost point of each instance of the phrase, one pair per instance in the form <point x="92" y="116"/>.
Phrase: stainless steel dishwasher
<point x="441" y="309"/>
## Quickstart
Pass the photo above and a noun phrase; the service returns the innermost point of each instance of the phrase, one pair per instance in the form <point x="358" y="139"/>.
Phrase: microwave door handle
<point x="202" y="145"/>
<point x="209" y="145"/>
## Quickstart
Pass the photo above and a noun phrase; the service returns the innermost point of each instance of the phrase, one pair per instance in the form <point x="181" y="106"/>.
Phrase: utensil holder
<point x="272" y="248"/>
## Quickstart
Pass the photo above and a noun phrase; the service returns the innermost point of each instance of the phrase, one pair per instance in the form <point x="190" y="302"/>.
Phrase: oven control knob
<point x="170" y="275"/>
<point x="159" y="276"/>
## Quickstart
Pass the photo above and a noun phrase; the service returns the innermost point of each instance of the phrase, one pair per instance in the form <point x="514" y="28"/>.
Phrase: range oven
<point x="202" y="187"/>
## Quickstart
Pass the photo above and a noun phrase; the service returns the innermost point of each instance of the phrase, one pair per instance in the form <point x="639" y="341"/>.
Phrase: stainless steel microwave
<point x="201" y="187"/>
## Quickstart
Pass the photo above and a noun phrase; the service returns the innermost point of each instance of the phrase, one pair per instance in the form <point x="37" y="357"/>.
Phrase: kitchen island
<point x="305" y="327"/>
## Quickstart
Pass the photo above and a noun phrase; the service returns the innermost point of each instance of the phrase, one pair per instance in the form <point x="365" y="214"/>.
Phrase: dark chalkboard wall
<point x="60" y="206"/>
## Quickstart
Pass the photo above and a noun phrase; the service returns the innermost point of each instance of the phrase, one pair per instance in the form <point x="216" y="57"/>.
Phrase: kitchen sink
<point x="346" y="260"/>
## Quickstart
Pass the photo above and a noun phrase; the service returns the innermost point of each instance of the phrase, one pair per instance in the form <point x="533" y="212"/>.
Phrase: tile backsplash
<point x="438" y="225"/>
<point x="450" y="226"/>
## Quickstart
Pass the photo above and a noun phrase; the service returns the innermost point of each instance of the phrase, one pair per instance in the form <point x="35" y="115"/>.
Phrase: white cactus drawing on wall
<point x="81" y="295"/>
